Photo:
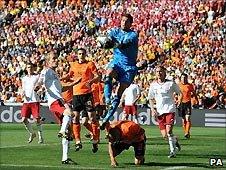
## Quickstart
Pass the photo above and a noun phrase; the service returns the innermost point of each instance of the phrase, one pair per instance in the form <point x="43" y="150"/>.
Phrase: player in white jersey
<point x="130" y="97"/>
<point x="31" y="105"/>
<point x="50" y="81"/>
<point x="162" y="91"/>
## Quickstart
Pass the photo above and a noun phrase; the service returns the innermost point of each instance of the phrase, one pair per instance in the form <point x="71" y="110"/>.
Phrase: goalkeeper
<point x="122" y="135"/>
<point x="123" y="65"/>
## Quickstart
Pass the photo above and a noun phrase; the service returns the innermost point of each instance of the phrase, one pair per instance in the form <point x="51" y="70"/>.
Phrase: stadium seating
<point x="186" y="36"/>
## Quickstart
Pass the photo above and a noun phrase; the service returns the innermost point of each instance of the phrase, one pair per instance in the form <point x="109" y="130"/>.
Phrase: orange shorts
<point x="130" y="109"/>
<point x="166" y="119"/>
<point x="57" y="108"/>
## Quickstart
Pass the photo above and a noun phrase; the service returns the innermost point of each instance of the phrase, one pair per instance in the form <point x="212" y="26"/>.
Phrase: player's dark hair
<point x="184" y="74"/>
<point x="115" y="133"/>
<point x="161" y="68"/>
<point x="32" y="65"/>
<point x="81" y="49"/>
<point x="128" y="16"/>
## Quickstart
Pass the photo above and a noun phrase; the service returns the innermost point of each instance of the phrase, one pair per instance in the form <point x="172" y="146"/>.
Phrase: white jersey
<point x="52" y="84"/>
<point x="28" y="86"/>
<point x="131" y="94"/>
<point x="163" y="95"/>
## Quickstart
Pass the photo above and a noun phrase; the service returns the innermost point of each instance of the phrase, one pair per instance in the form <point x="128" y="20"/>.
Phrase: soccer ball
<point x="105" y="42"/>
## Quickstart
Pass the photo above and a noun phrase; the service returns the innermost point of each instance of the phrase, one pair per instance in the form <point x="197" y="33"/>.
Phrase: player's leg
<point x="139" y="149"/>
<point x="99" y="112"/>
<point x="95" y="130"/>
<point x="76" y="130"/>
<point x="36" y="115"/>
<point x="77" y="108"/>
<point x="86" y="124"/>
<point x="184" y="124"/>
<point x="64" y="115"/>
<point x="89" y="106"/>
<point x="110" y="74"/>
<point x="169" y="121"/>
<point x="125" y="115"/>
<point x="162" y="126"/>
<point x="188" y="120"/>
<point x="25" y="114"/>
<point x="125" y="77"/>
<point x="182" y="115"/>
<point x="135" y="113"/>
<point x="115" y="103"/>
<point x="66" y="121"/>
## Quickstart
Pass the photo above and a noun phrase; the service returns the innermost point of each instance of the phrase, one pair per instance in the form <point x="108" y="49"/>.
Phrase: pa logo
<point x="216" y="162"/>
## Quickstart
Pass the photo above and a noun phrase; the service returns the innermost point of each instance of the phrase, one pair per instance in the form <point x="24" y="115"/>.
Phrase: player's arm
<point x="96" y="76"/>
<point x="193" y="92"/>
<point x="152" y="106"/>
<point x="151" y="96"/>
<point x="39" y="86"/>
<point x="23" y="94"/>
<point x="66" y="77"/>
<point x="137" y="96"/>
<point x="66" y="86"/>
<point x="177" y="90"/>
<point x="112" y="151"/>
<point x="123" y="42"/>
<point x="122" y="99"/>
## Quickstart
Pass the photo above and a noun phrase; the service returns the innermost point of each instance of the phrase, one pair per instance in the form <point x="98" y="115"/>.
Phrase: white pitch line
<point x="176" y="167"/>
<point x="19" y="146"/>
<point x="51" y="166"/>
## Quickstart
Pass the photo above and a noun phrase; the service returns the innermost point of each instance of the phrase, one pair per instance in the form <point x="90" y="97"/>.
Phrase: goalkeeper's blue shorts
<point x="125" y="73"/>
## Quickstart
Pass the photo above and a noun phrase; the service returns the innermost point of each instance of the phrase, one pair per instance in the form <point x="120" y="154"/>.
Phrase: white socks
<point x="65" y="144"/>
<point x="172" y="141"/>
<point x="28" y="127"/>
<point x="65" y="123"/>
<point x="39" y="127"/>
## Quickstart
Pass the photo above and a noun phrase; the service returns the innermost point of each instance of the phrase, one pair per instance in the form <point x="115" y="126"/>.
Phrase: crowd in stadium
<point x="186" y="36"/>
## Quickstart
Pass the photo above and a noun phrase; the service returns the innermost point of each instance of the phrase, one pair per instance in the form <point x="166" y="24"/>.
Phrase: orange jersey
<point x="130" y="131"/>
<point x="186" y="90"/>
<point x="67" y="94"/>
<point x="86" y="71"/>
<point x="98" y="90"/>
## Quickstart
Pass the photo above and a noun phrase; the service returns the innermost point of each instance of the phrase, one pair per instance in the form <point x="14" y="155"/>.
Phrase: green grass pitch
<point x="16" y="153"/>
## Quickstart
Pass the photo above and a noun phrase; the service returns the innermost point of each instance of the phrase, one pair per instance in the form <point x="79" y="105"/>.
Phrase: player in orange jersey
<point x="122" y="135"/>
<point x="184" y="108"/>
<point x="97" y="92"/>
<point x="82" y="97"/>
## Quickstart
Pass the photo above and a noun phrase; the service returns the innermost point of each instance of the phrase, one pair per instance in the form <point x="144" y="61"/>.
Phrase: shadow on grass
<point x="172" y="164"/>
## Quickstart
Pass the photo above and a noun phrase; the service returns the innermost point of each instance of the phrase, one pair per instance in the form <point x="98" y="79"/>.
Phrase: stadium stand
<point x="184" y="35"/>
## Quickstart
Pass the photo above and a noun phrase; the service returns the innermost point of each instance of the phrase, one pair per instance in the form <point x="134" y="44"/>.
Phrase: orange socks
<point x="188" y="127"/>
<point x="184" y="125"/>
<point x="76" y="132"/>
<point x="95" y="130"/>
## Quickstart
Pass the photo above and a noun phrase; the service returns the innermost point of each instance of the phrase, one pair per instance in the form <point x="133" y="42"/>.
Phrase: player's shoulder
<point x="91" y="64"/>
<point x="154" y="83"/>
<point x="74" y="63"/>
<point x="135" y="86"/>
<point x="24" y="78"/>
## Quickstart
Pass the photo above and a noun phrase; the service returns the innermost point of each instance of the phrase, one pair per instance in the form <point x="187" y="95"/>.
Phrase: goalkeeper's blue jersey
<point x="126" y="55"/>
